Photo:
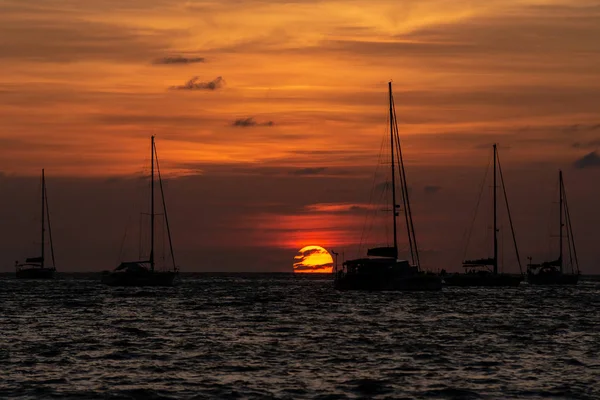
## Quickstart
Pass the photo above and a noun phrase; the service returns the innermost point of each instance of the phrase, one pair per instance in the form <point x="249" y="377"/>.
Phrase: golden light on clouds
<point x="313" y="259"/>
<point x="84" y="83"/>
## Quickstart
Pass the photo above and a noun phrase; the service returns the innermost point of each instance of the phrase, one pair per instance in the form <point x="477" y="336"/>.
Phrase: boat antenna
<point x="509" y="215"/>
<point x="394" y="214"/>
<point x="162" y="193"/>
<point x="152" y="204"/>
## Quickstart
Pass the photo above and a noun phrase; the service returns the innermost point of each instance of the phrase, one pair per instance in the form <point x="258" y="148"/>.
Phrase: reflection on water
<point x="285" y="336"/>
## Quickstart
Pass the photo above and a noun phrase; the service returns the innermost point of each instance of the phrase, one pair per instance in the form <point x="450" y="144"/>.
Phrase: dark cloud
<point x="300" y="266"/>
<point x="337" y="208"/>
<point x="249" y="122"/>
<point x="589" y="144"/>
<point x="312" y="267"/>
<point x="589" y="160"/>
<point x="175" y="60"/>
<point x="193" y="84"/>
<point x="310" y="252"/>
<point x="431" y="189"/>
<point x="308" y="171"/>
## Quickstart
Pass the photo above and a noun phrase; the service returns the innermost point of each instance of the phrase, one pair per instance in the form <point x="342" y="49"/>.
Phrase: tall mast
<point x="162" y="193"/>
<point x="152" y="204"/>
<point x="495" y="217"/>
<point x="410" y="227"/>
<point x="43" y="214"/>
<point x="393" y="171"/>
<point x="560" y="219"/>
<point x="570" y="234"/>
<point x="49" y="229"/>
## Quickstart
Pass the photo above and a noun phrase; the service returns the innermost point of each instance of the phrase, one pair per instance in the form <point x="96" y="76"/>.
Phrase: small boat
<point x="381" y="269"/>
<point x="484" y="271"/>
<point x="144" y="272"/>
<point x="552" y="272"/>
<point x="35" y="267"/>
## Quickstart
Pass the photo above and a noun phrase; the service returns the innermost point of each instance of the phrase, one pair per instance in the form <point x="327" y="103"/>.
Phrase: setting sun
<point x="313" y="259"/>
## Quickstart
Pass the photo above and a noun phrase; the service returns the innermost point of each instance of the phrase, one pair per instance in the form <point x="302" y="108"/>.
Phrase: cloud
<point x="174" y="60"/>
<point x="591" y="143"/>
<point x="193" y="84"/>
<point x="67" y="40"/>
<point x="308" y="171"/>
<point x="312" y="267"/>
<point x="338" y="207"/>
<point x="249" y="122"/>
<point x="431" y="189"/>
<point x="589" y="160"/>
<point x="309" y="252"/>
<point x="299" y="265"/>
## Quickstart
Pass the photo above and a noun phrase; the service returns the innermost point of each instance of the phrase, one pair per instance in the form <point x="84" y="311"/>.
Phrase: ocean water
<point x="291" y="337"/>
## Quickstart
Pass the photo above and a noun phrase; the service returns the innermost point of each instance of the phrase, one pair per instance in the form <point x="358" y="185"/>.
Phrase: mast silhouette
<point x="152" y="205"/>
<point x="162" y="193"/>
<point x="560" y="220"/>
<point x="394" y="214"/>
<point x="43" y="216"/>
<point x="410" y="226"/>
<point x="495" y="216"/>
<point x="49" y="226"/>
<point x="570" y="234"/>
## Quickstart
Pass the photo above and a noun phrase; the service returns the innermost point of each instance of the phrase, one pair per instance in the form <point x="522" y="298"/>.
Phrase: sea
<point x="285" y="336"/>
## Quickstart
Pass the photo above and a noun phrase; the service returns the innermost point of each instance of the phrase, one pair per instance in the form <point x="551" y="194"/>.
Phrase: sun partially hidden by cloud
<point x="313" y="259"/>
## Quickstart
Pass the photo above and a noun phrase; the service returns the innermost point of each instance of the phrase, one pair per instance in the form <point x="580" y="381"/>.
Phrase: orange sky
<point x="302" y="95"/>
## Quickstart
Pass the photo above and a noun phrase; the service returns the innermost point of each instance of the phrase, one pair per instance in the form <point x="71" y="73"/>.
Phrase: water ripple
<point x="290" y="337"/>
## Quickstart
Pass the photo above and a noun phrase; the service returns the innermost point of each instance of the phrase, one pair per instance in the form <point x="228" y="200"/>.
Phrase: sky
<point x="269" y="118"/>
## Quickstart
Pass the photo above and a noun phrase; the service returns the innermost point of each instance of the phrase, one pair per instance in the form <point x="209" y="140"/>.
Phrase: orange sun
<point x="313" y="259"/>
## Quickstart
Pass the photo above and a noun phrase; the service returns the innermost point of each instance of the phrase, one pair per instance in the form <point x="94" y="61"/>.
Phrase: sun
<point x="313" y="259"/>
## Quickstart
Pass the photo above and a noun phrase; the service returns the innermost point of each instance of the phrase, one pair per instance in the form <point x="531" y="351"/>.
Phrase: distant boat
<point x="381" y="269"/>
<point x="143" y="273"/>
<point x="552" y="272"/>
<point x="35" y="267"/>
<point x="484" y="271"/>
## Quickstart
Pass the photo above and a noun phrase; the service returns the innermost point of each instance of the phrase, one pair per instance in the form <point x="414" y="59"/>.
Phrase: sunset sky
<point x="269" y="117"/>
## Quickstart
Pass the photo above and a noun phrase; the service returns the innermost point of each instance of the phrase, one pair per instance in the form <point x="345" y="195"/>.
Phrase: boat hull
<point x="158" y="279"/>
<point x="35" y="273"/>
<point x="478" y="280"/>
<point x="420" y="282"/>
<point x="553" y="279"/>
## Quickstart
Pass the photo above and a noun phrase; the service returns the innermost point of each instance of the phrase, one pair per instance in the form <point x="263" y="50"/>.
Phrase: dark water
<point x="280" y="336"/>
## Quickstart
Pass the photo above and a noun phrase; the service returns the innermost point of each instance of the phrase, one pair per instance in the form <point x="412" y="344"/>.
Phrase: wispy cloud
<point x="309" y="171"/>
<point x="178" y="60"/>
<point x="316" y="268"/>
<point x="250" y="122"/>
<point x="193" y="84"/>
<point x="589" y="160"/>
<point x="591" y="143"/>
<point x="432" y="189"/>
<point x="338" y="207"/>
